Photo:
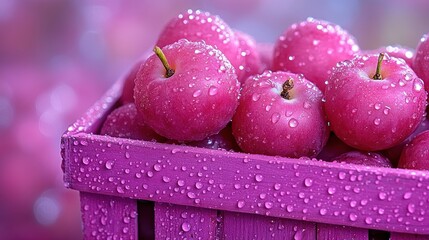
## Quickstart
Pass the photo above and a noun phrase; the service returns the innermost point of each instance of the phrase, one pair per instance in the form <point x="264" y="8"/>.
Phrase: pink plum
<point x="251" y="61"/>
<point x="187" y="91"/>
<point x="124" y="123"/>
<point x="202" y="26"/>
<point x="333" y="148"/>
<point x="313" y="47"/>
<point x="127" y="95"/>
<point x="265" y="51"/>
<point x="374" y="102"/>
<point x="416" y="154"/>
<point x="397" y="51"/>
<point x="280" y="113"/>
<point x="421" y="60"/>
<point x="364" y="158"/>
<point x="394" y="153"/>
<point x="222" y="140"/>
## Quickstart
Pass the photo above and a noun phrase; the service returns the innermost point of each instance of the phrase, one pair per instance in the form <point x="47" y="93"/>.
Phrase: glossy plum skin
<point x="394" y="153"/>
<point x="333" y="148"/>
<point x="266" y="123"/>
<point x="224" y="140"/>
<point x="251" y="64"/>
<point x="397" y="51"/>
<point x="197" y="101"/>
<point x="364" y="158"/>
<point x="124" y="123"/>
<point x="415" y="155"/>
<point x="421" y="60"/>
<point x="265" y="51"/>
<point x="202" y="26"/>
<point x="313" y="47"/>
<point x="370" y="114"/>
<point x="127" y="95"/>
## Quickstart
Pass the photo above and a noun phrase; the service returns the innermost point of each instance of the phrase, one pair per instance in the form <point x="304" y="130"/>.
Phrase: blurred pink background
<point x="58" y="56"/>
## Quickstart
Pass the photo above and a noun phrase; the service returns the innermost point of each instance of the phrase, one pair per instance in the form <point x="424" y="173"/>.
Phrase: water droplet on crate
<point x="308" y="182"/>
<point x="353" y="217"/>
<point x="165" y="179"/>
<point x="180" y="183"/>
<point x="259" y="178"/>
<point x="85" y="160"/>
<point x="186" y="227"/>
<point x="382" y="195"/>
<point x="191" y="195"/>
<point x="268" y="205"/>
<point x="157" y="167"/>
<point x="331" y="190"/>
<point x="119" y="189"/>
<point x="198" y="185"/>
<point x="411" y="208"/>
<point x="368" y="220"/>
<point x="109" y="164"/>
<point x="240" y="204"/>
<point x="407" y="195"/>
<point x="323" y="211"/>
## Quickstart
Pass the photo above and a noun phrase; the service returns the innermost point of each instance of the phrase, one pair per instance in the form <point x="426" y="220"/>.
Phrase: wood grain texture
<point x="403" y="236"/>
<point x="252" y="226"/>
<point x="184" y="222"/>
<point x="337" y="232"/>
<point x="108" y="217"/>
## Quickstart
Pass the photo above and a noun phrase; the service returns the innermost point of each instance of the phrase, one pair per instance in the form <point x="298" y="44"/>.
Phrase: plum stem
<point x="287" y="86"/>
<point x="377" y="75"/>
<point x="168" y="70"/>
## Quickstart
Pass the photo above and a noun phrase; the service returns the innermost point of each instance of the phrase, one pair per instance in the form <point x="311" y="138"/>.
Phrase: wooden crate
<point x="136" y="190"/>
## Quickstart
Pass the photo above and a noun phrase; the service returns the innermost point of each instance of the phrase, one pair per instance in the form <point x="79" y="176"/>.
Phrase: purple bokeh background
<point x="58" y="57"/>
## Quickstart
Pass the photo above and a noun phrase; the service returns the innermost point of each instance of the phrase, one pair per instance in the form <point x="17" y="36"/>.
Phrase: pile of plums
<point x="313" y="93"/>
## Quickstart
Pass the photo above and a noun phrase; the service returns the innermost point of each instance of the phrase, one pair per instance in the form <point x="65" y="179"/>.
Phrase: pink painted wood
<point x="252" y="226"/>
<point x="107" y="217"/>
<point x="338" y="232"/>
<point x="301" y="189"/>
<point x="184" y="222"/>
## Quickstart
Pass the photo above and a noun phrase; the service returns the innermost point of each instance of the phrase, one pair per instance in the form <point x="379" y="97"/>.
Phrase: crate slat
<point x="342" y="194"/>
<point x="337" y="232"/>
<point x="184" y="222"/>
<point x="251" y="226"/>
<point x="108" y="217"/>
